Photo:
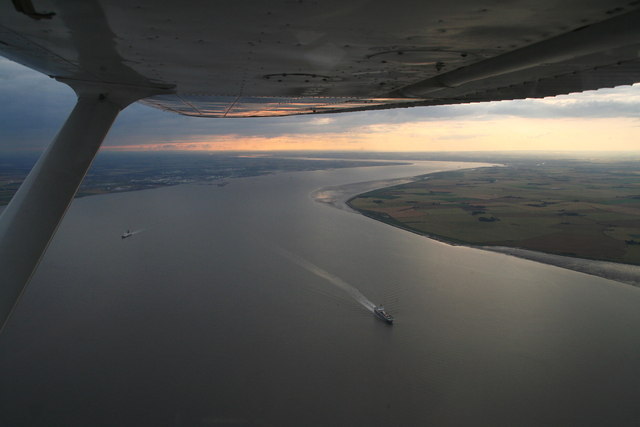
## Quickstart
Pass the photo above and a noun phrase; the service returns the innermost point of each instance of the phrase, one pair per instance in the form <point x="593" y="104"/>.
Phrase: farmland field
<point x="576" y="208"/>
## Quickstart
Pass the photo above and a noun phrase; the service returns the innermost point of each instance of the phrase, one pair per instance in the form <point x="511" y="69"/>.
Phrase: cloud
<point x="625" y="102"/>
<point x="320" y="121"/>
<point x="35" y="106"/>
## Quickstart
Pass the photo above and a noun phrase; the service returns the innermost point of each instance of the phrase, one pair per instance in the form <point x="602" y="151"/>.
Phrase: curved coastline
<point x="340" y="197"/>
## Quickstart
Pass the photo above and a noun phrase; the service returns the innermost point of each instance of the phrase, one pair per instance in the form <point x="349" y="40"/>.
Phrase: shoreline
<point x="628" y="274"/>
<point x="340" y="197"/>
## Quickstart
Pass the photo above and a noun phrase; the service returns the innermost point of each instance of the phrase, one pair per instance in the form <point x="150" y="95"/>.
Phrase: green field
<point x="581" y="209"/>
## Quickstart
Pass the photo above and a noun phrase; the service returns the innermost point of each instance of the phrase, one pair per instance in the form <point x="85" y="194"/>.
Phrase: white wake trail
<point x="349" y="289"/>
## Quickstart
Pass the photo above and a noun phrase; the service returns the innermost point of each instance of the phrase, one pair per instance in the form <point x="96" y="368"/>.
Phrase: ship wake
<point x="351" y="290"/>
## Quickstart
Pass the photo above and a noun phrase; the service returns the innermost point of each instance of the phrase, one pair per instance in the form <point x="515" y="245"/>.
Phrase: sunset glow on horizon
<point x="503" y="134"/>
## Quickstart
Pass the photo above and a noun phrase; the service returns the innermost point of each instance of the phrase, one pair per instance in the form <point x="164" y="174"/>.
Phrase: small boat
<point x="379" y="312"/>
<point x="126" y="234"/>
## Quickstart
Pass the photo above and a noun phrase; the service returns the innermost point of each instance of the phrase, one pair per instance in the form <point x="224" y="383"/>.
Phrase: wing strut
<point x="30" y="220"/>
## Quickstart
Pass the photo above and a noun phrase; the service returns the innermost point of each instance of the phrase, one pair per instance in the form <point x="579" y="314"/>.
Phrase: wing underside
<point x="281" y="58"/>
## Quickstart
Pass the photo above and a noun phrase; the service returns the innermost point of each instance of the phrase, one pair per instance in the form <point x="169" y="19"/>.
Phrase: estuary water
<point x="249" y="304"/>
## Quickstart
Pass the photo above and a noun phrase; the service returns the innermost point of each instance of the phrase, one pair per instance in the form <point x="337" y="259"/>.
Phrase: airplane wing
<point x="257" y="58"/>
<point x="283" y="57"/>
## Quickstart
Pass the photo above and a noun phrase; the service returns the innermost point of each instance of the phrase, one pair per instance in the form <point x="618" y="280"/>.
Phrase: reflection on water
<point x="201" y="320"/>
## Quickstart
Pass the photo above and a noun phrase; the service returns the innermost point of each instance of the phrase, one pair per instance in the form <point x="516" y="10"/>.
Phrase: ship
<point x="379" y="312"/>
<point x="126" y="234"/>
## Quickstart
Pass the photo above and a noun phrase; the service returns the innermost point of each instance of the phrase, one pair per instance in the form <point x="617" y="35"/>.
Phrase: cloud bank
<point x="35" y="106"/>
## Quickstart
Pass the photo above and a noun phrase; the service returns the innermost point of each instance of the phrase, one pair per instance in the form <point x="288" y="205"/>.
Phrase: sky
<point x="33" y="107"/>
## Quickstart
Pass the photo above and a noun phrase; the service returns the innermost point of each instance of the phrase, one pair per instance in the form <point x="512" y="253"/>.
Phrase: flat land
<point x="575" y="208"/>
<point x="119" y="172"/>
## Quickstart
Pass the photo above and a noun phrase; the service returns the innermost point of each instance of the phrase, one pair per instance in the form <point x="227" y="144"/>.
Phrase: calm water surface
<point x="235" y="305"/>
